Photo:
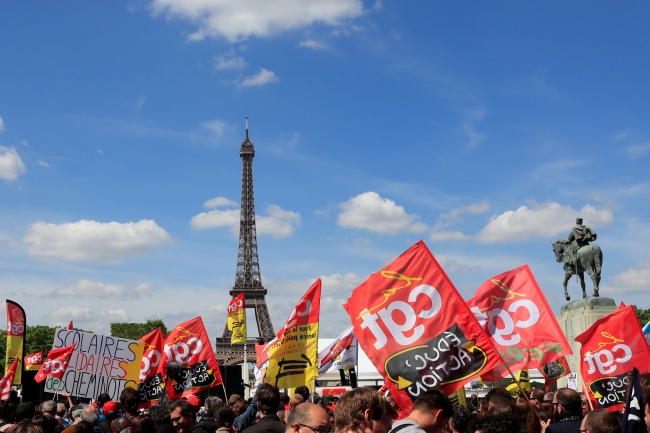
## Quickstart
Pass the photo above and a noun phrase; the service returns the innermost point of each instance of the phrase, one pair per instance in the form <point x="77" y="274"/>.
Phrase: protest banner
<point x="521" y="382"/>
<point x="514" y="312"/>
<point x="34" y="361"/>
<point x="293" y="354"/>
<point x="555" y="370"/>
<point x="237" y="319"/>
<point x="7" y="380"/>
<point x="340" y="353"/>
<point x="151" y="386"/>
<point x="611" y="348"/>
<point x="188" y="344"/>
<point x="99" y="364"/>
<point x="16" y="327"/>
<point x="417" y="330"/>
<point x="55" y="364"/>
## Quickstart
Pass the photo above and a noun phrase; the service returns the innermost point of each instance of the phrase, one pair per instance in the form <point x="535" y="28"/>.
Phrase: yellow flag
<point x="524" y="380"/>
<point x="293" y="355"/>
<point x="237" y="319"/>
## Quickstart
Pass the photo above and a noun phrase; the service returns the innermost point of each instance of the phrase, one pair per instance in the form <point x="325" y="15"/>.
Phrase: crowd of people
<point x="361" y="410"/>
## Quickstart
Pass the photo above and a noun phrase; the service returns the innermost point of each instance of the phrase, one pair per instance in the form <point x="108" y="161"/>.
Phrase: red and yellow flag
<point x="16" y="327"/>
<point x="56" y="363"/>
<point x="293" y="354"/>
<point x="237" y="319"/>
<point x="417" y="330"/>
<point x="7" y="380"/>
<point x="513" y="311"/>
<point x="611" y="348"/>
<point x="33" y="362"/>
<point x="151" y="383"/>
<point x="188" y="344"/>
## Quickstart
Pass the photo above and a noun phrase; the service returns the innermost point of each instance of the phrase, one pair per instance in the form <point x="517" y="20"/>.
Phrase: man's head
<point x="567" y="400"/>
<point x="308" y="418"/>
<point x="90" y="415"/>
<point x="182" y="415"/>
<point x="211" y="404"/>
<point x="391" y="400"/>
<point x="537" y="397"/>
<point x="295" y="400"/>
<point x="224" y="416"/>
<point x="234" y="399"/>
<point x="432" y="411"/>
<point x="460" y="420"/>
<point x="549" y="396"/>
<point x="600" y="421"/>
<point x="130" y="400"/>
<point x="363" y="410"/>
<point x="49" y="407"/>
<point x="495" y="424"/>
<point x="304" y="391"/>
<point x="24" y="411"/>
<point x="159" y="413"/>
<point x="110" y="409"/>
<point x="499" y="401"/>
<point x="239" y="407"/>
<point x="60" y="409"/>
<point x="268" y="399"/>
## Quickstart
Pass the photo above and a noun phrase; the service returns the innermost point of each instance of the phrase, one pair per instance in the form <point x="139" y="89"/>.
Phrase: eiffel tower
<point x="248" y="278"/>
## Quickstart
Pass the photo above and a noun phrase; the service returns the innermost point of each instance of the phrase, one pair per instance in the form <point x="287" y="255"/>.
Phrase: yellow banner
<point x="237" y="325"/>
<point x="293" y="361"/>
<point x="524" y="380"/>
<point x="15" y="350"/>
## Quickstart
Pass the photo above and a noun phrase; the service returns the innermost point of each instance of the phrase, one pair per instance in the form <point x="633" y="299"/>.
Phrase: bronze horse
<point x="590" y="260"/>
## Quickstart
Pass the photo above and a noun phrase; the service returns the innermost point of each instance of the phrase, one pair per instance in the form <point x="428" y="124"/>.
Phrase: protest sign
<point x="340" y="353"/>
<point x="99" y="364"/>
<point x="151" y="384"/>
<point x="513" y="311"/>
<point x="417" y="330"/>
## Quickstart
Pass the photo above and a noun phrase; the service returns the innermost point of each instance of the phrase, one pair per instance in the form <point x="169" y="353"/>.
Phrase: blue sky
<point x="482" y="128"/>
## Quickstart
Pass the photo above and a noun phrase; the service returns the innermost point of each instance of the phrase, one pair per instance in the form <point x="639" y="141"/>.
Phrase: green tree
<point x="135" y="331"/>
<point x="37" y="338"/>
<point x="642" y="315"/>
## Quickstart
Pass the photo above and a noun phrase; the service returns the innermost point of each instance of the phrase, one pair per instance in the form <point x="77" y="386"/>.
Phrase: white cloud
<point x="10" y="163"/>
<point x="371" y="212"/>
<point x="24" y="143"/>
<point x="2" y="124"/>
<point x="91" y="289"/>
<point x="634" y="280"/>
<point x="475" y="138"/>
<point x="261" y="78"/>
<point x="43" y="163"/>
<point x="87" y="319"/>
<point x="219" y="202"/>
<point x="278" y="224"/>
<point x="540" y="220"/>
<point x="223" y="62"/>
<point x="239" y="19"/>
<point x="91" y="241"/>
<point x="447" y="236"/>
<point x="637" y="150"/>
<point x="114" y="316"/>
<point x="445" y="220"/>
<point x="314" y="45"/>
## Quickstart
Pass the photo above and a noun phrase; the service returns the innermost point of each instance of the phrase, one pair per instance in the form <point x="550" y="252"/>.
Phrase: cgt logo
<point x="15" y="329"/>
<point x="35" y="359"/>
<point x="55" y="366"/>
<point x="235" y="306"/>
<point x="182" y="352"/>
<point x="606" y="360"/>
<point x="152" y="360"/>
<point x="502" y="326"/>
<point x="405" y="321"/>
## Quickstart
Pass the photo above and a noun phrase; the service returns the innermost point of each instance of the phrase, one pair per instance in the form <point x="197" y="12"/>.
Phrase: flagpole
<point x="521" y="390"/>
<point x="584" y="385"/>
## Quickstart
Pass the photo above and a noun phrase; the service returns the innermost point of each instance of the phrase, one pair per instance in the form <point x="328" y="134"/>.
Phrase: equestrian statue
<point x="579" y="257"/>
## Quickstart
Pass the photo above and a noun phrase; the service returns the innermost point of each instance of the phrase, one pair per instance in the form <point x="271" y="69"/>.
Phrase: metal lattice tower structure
<point x="247" y="279"/>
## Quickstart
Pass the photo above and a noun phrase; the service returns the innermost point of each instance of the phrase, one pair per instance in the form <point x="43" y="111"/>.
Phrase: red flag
<point x="555" y="370"/>
<point x="69" y="325"/>
<point x="611" y="348"/>
<point x="513" y="311"/>
<point x="188" y="343"/>
<point x="56" y="363"/>
<point x="8" y="380"/>
<point x="151" y="373"/>
<point x="416" y="329"/>
<point x="34" y="362"/>
<point x="16" y="327"/>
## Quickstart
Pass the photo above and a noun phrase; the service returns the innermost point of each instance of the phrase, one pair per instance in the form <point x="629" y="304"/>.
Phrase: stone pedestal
<point x="575" y="318"/>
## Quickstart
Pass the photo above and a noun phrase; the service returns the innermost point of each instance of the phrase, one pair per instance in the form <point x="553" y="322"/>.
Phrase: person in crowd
<point x="91" y="416"/>
<point x="161" y="418"/>
<point x="28" y="427"/>
<point x="304" y="392"/>
<point x="645" y="387"/>
<point x="363" y="410"/>
<point x="50" y="423"/>
<point x="103" y="398"/>
<point x="130" y="400"/>
<point x="234" y="399"/>
<point x="494" y="424"/>
<point x="548" y="397"/>
<point x="224" y="418"/>
<point x="567" y="412"/>
<point x="431" y="413"/>
<point x="183" y="417"/>
<point x="482" y="406"/>
<point x="295" y="400"/>
<point x="285" y="401"/>
<point x="472" y="403"/>
<point x="308" y="418"/>
<point x="195" y="401"/>
<point x="240" y="406"/>
<point x="210" y="404"/>
<point x="246" y="417"/>
<point x="76" y="413"/>
<point x="80" y="427"/>
<point x="60" y="414"/>
<point x="460" y="419"/>
<point x="500" y="402"/>
<point x="600" y="421"/>
<point x="537" y="397"/>
<point x="585" y="403"/>
<point x="6" y="415"/>
<point x="142" y="424"/>
<point x="24" y="412"/>
<point x="268" y="402"/>
<point x="391" y="400"/>
<point x="111" y="411"/>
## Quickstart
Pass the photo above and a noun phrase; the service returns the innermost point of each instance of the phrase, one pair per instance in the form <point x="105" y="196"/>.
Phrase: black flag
<point x="634" y="407"/>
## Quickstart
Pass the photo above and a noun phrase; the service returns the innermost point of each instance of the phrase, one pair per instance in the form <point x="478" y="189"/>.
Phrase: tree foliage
<point x="37" y="338"/>
<point x="135" y="331"/>
<point x="642" y="315"/>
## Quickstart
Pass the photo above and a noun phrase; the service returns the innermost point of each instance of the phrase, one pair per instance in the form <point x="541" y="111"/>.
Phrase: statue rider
<point x="579" y="237"/>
